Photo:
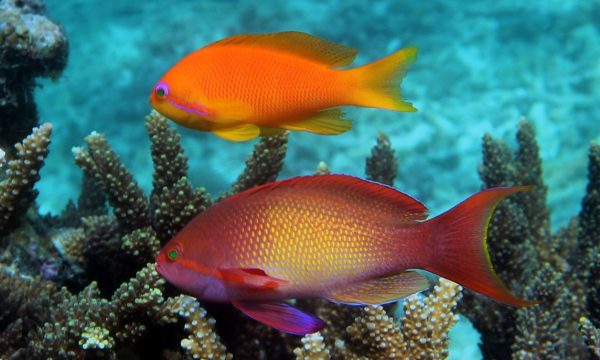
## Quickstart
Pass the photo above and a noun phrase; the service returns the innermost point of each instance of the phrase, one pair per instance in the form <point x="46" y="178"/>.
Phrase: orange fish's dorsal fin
<point x="382" y="290"/>
<point x="405" y="208"/>
<point x="251" y="278"/>
<point x="326" y="122"/>
<point x="238" y="132"/>
<point x="299" y="43"/>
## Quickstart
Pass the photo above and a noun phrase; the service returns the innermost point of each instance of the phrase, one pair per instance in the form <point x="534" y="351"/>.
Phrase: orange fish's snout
<point x="175" y="106"/>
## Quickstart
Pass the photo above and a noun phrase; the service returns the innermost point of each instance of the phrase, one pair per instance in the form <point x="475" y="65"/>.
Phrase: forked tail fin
<point x="379" y="82"/>
<point x="460" y="250"/>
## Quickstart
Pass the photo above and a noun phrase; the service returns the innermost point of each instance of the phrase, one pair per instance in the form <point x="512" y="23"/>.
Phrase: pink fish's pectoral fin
<point x="281" y="316"/>
<point x="382" y="290"/>
<point x="251" y="278"/>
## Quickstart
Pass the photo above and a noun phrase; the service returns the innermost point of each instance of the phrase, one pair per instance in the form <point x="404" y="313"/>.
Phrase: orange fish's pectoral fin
<point x="281" y="316"/>
<point x="382" y="290"/>
<point x="238" y="132"/>
<point x="297" y="43"/>
<point x="230" y="111"/>
<point x="251" y="278"/>
<point x="325" y="122"/>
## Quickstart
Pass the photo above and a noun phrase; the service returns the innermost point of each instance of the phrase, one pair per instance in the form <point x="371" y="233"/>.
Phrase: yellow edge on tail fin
<point x="379" y="82"/>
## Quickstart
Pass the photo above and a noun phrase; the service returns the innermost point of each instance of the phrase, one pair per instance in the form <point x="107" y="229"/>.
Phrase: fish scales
<point x="329" y="236"/>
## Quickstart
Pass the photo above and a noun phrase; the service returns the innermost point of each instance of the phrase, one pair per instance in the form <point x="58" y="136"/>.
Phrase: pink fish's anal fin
<point x="382" y="290"/>
<point x="281" y="316"/>
<point x="251" y="278"/>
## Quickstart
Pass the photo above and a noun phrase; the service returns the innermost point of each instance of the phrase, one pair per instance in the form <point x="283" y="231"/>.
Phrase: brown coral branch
<point x="17" y="191"/>
<point x="264" y="164"/>
<point x="382" y="165"/>
<point x="203" y="342"/>
<point x="124" y="194"/>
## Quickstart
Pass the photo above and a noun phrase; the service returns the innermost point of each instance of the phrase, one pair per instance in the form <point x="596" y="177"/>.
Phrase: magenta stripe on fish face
<point x="190" y="108"/>
<point x="194" y="108"/>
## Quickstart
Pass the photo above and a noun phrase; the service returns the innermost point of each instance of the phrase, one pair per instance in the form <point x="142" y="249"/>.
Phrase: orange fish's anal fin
<point x="382" y="290"/>
<point x="281" y="316"/>
<point x="251" y="278"/>
<point x="238" y="132"/>
<point x="326" y="122"/>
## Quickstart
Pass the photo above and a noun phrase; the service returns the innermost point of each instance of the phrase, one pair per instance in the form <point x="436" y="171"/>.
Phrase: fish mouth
<point x="159" y="269"/>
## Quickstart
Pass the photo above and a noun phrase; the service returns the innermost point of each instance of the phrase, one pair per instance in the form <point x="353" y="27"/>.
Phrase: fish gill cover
<point x="481" y="67"/>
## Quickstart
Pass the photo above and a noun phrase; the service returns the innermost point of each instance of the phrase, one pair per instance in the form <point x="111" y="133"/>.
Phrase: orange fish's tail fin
<point x="461" y="253"/>
<point x="379" y="82"/>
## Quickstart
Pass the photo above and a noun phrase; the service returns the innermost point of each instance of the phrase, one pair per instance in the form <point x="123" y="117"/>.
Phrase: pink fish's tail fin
<point x="461" y="253"/>
<point x="379" y="81"/>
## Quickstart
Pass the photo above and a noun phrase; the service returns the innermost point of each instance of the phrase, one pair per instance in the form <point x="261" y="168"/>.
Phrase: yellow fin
<point x="326" y="122"/>
<point x="238" y="132"/>
<point x="382" y="290"/>
<point x="270" y="131"/>
<point x="379" y="82"/>
<point x="299" y="43"/>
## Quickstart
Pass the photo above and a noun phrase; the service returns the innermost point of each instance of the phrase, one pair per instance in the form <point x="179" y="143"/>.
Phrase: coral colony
<point x="83" y="284"/>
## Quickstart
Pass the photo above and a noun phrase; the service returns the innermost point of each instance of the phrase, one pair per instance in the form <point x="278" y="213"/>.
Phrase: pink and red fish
<point x="337" y="237"/>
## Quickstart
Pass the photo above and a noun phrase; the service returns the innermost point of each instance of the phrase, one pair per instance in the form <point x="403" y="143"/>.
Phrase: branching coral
<point x="591" y="335"/>
<point x="313" y="348"/>
<point x="125" y="310"/>
<point x="382" y="165"/>
<point x="173" y="201"/>
<point x="533" y="262"/>
<point x="16" y="191"/>
<point x="263" y="165"/>
<point x="202" y="342"/>
<point x="85" y="324"/>
<point x="124" y="194"/>
<point x="423" y="333"/>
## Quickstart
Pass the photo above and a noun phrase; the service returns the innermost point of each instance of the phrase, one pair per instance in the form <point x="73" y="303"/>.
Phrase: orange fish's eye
<point x="172" y="254"/>
<point x="161" y="90"/>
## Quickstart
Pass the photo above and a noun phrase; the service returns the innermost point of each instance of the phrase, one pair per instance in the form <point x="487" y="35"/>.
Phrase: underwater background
<point x="482" y="66"/>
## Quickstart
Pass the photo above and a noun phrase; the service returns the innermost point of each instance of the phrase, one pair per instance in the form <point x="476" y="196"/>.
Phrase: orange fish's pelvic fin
<point x="238" y="132"/>
<point x="382" y="290"/>
<point x="326" y="122"/>
<point x="251" y="278"/>
<point x="298" y="43"/>
<point x="460" y="251"/>
<point x="281" y="316"/>
<point x="269" y="131"/>
<point x="379" y="82"/>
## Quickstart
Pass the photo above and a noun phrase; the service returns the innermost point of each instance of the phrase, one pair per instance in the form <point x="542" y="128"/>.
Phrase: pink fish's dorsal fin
<point x="281" y="316"/>
<point x="402" y="207"/>
<point x="298" y="43"/>
<point x="251" y="278"/>
<point x="382" y="290"/>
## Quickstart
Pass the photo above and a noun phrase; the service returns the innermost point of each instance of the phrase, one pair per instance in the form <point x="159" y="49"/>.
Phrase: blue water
<point x="482" y="65"/>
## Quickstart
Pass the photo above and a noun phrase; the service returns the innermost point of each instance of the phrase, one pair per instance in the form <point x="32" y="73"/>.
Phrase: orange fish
<point x="337" y="237"/>
<point x="250" y="85"/>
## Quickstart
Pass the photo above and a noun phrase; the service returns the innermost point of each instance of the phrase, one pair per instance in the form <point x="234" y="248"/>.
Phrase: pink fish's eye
<point x="172" y="254"/>
<point x="161" y="90"/>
